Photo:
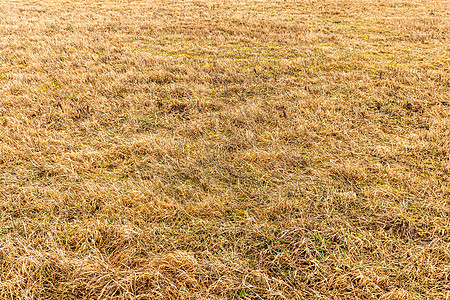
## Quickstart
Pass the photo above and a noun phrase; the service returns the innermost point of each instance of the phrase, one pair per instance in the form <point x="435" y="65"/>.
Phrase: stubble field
<point x="225" y="149"/>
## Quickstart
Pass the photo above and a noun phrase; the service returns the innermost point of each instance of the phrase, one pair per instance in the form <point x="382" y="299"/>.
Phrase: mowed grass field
<point x="225" y="149"/>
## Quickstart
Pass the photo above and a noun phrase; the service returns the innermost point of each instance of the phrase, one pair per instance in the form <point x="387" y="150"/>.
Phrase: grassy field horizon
<point x="225" y="149"/>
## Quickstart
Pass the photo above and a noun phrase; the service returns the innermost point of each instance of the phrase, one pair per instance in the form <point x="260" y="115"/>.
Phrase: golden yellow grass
<point x="224" y="149"/>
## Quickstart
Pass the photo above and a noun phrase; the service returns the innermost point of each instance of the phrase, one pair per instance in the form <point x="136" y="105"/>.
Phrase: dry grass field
<point x="222" y="149"/>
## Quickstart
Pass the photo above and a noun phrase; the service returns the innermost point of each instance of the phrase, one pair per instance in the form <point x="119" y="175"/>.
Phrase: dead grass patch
<point x="224" y="150"/>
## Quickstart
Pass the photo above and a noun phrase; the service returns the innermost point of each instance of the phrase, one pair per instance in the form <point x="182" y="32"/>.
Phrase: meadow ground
<point x="224" y="149"/>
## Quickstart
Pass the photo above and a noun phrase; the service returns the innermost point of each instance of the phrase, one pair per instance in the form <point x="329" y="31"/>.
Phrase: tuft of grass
<point x="224" y="149"/>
